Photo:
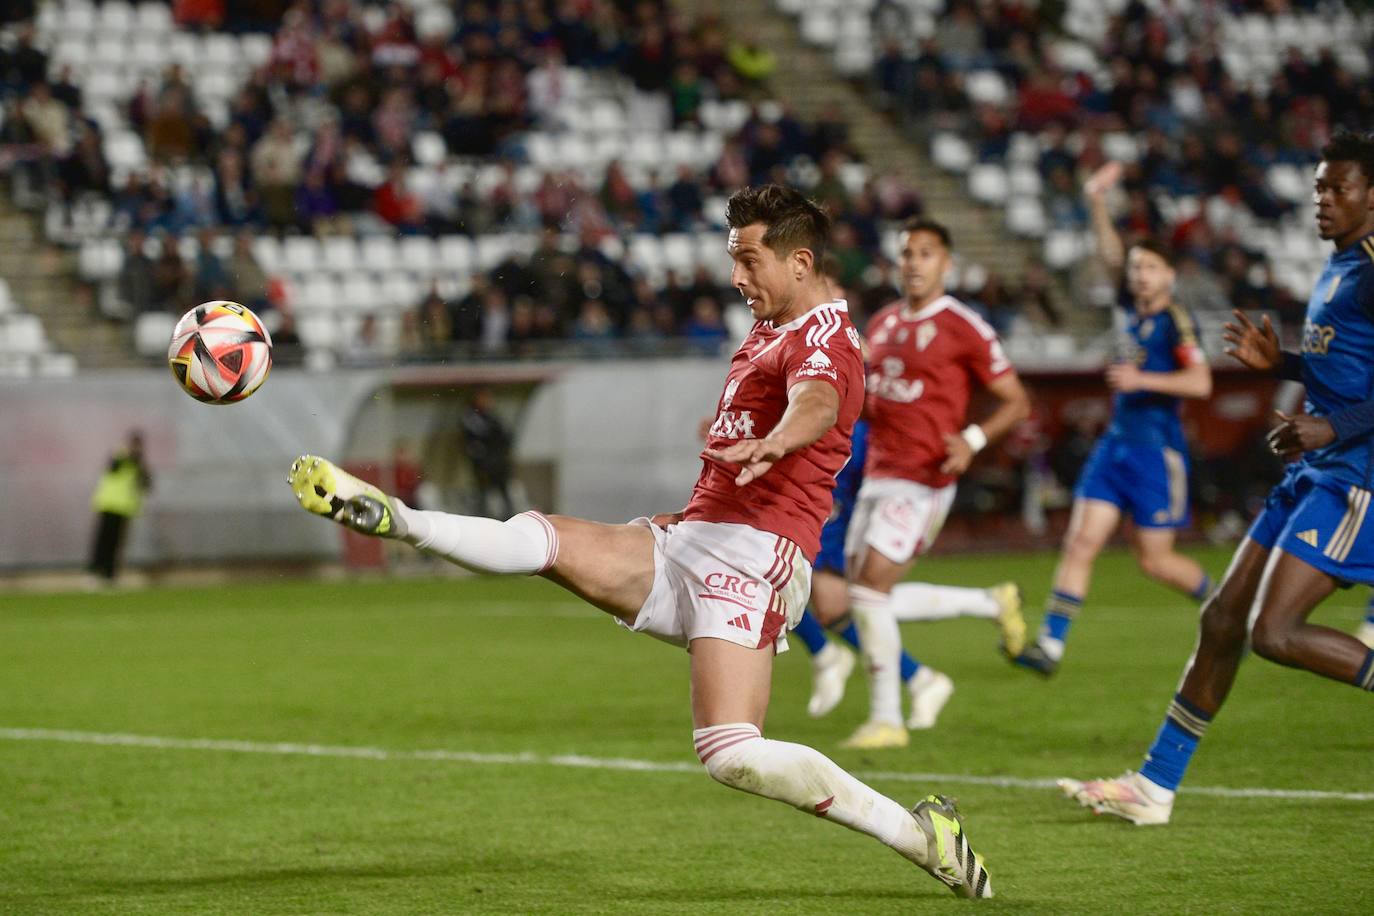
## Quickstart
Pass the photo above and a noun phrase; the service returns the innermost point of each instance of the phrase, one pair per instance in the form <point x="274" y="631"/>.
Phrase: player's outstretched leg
<point x="1147" y="797"/>
<point x="1001" y="603"/>
<point x="526" y="544"/>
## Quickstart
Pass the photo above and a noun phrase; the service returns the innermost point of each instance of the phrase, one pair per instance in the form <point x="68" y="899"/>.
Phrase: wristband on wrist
<point x="975" y="437"/>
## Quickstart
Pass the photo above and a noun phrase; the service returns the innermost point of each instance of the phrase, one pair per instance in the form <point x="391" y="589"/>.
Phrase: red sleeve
<point x="821" y="356"/>
<point x="987" y="359"/>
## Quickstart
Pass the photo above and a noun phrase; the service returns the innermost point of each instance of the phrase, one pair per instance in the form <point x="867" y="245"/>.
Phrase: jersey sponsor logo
<point x="853" y="336"/>
<point x="733" y="424"/>
<point x="925" y="333"/>
<point x="1316" y="338"/>
<point x="736" y="585"/>
<point x="1308" y="537"/>
<point x="817" y="364"/>
<point x="889" y="384"/>
<point x="729" y="396"/>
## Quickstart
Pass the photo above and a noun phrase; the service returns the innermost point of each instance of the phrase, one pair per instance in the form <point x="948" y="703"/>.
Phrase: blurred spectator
<point x="395" y="203"/>
<point x="135" y="281"/>
<point x="753" y="62"/>
<point x="210" y="279"/>
<point x="276" y="172"/>
<point x="247" y="279"/>
<point x="171" y="280"/>
<point x="487" y="444"/>
<point x="705" y="329"/>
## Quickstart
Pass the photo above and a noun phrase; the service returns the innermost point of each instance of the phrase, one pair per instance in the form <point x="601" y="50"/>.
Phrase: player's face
<point x="1345" y="202"/>
<point x="1148" y="276"/>
<point x="767" y="282"/>
<point x="924" y="260"/>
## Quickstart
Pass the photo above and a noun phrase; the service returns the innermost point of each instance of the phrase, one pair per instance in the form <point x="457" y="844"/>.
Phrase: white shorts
<point x="723" y="580"/>
<point x="898" y="518"/>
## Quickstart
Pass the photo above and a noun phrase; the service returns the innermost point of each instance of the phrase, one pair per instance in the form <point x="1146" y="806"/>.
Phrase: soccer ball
<point x="220" y="352"/>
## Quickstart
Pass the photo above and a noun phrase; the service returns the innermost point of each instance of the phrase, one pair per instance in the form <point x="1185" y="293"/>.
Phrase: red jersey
<point x="923" y="367"/>
<point x="793" y="499"/>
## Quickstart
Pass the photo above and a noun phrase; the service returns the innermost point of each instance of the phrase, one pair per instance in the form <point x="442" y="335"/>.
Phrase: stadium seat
<point x="401" y="291"/>
<point x="154" y="17"/>
<point x="255" y="49"/>
<point x="301" y="254"/>
<point x="819" y="27"/>
<point x="1063" y="248"/>
<point x="339" y="253"/>
<point x="986" y="87"/>
<point x="116" y="17"/>
<point x="951" y="152"/>
<point x="428" y="148"/>
<point x="1026" y="217"/>
<point x="456" y="255"/>
<point x="378" y="253"/>
<point x="1024" y="181"/>
<point x="152" y="331"/>
<point x="417" y="253"/>
<point x="988" y="183"/>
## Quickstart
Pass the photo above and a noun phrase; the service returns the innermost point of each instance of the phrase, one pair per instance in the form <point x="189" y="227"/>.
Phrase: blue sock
<point x="1060" y="611"/>
<point x="910" y="666"/>
<point x="1204" y="588"/>
<point x="1167" y="761"/>
<point x="811" y="632"/>
<point x="1365" y="679"/>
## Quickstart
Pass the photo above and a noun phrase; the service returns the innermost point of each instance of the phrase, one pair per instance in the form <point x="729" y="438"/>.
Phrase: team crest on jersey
<point x="925" y="333"/>
<point x="817" y="364"/>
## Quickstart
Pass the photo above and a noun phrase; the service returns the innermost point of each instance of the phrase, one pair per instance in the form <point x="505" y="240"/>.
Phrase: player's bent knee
<point x="1274" y="643"/>
<point x="732" y="754"/>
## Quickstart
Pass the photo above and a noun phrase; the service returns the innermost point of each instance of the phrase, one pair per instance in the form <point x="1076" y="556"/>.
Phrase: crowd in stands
<point x="320" y="140"/>
<point x="1159" y="73"/>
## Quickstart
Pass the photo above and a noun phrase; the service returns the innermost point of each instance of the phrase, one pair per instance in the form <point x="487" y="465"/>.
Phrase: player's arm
<point x="812" y="408"/>
<point x="1013" y="406"/>
<point x="1109" y="246"/>
<point x="1191" y="381"/>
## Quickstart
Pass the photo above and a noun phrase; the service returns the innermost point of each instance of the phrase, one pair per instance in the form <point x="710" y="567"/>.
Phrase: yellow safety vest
<point x="120" y="490"/>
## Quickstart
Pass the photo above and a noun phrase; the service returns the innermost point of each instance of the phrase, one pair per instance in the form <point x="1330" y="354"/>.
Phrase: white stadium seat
<point x="152" y="331"/>
<point x="418" y="254"/>
<point x="339" y="253"/>
<point x="378" y="253"/>
<point x="988" y="183"/>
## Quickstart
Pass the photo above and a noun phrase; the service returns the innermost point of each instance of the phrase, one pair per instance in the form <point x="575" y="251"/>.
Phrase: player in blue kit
<point x="927" y="689"/>
<point x="1315" y="533"/>
<point x="1140" y="465"/>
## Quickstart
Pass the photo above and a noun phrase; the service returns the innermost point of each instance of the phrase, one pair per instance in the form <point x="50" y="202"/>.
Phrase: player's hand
<point x="1255" y="346"/>
<point x="756" y="456"/>
<point x="1303" y="433"/>
<point x="1124" y="377"/>
<point x="664" y="519"/>
<point x="1103" y="180"/>
<point x="958" y="454"/>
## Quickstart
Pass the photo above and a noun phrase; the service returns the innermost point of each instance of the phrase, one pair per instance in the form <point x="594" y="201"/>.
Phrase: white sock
<point x="1154" y="791"/>
<point x="738" y="756"/>
<point x="827" y="656"/>
<point x="922" y="601"/>
<point x="526" y="544"/>
<point x="881" y="642"/>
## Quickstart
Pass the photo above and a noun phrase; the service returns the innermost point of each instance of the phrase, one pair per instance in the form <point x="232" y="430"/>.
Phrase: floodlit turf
<point x="515" y="666"/>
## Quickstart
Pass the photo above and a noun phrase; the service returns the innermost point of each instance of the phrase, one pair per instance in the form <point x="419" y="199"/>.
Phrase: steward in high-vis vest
<point x="117" y="499"/>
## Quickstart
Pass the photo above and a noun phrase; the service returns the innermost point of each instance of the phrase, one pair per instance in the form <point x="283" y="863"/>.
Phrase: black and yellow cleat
<point x="952" y="860"/>
<point x="325" y="489"/>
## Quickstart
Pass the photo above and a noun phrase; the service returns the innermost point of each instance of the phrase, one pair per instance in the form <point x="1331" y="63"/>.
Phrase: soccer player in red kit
<point x="928" y="352"/>
<point x="728" y="575"/>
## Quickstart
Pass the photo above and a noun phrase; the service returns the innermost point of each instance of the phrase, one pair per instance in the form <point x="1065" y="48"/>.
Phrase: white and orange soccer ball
<point x="220" y="352"/>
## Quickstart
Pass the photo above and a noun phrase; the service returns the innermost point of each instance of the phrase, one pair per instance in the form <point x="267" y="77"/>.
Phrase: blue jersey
<point x="1163" y="342"/>
<point x="846" y="494"/>
<point x="1338" y="357"/>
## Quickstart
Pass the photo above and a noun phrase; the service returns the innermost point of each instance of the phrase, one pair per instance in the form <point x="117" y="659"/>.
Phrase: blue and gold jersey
<point x="1338" y="357"/>
<point x="1163" y="342"/>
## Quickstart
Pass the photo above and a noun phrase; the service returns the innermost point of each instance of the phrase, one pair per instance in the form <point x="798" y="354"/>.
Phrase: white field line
<point x="291" y="749"/>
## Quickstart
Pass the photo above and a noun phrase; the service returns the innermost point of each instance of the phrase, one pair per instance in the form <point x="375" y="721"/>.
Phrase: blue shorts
<point x="1149" y="481"/>
<point x="831" y="555"/>
<point x="1322" y="522"/>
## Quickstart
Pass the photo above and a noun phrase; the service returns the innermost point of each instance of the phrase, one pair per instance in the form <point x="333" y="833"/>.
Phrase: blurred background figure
<point x="117" y="500"/>
<point x="487" y="443"/>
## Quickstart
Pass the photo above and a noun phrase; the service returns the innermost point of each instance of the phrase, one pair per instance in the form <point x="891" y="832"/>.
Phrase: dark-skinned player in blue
<point x="1315" y="534"/>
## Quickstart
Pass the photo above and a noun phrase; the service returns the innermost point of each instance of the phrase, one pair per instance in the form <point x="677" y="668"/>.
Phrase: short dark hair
<point x="925" y="224"/>
<point x="793" y="221"/>
<point x="1156" y="247"/>
<point x="1349" y="146"/>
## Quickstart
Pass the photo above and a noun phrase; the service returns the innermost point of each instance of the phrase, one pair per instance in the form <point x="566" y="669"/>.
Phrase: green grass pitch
<point x="517" y="667"/>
